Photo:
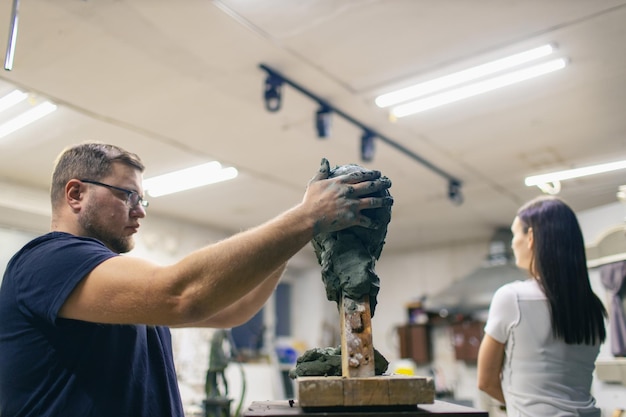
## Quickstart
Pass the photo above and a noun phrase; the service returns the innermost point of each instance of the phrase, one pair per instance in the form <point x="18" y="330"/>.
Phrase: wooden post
<point x="357" y="349"/>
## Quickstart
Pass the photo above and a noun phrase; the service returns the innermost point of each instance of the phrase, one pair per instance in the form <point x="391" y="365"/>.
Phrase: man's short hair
<point x="92" y="160"/>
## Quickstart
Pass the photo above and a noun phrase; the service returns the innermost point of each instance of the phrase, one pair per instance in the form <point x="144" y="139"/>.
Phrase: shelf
<point x="612" y="370"/>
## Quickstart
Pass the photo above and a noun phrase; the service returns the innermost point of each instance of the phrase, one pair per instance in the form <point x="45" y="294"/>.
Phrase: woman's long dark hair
<point x="560" y="265"/>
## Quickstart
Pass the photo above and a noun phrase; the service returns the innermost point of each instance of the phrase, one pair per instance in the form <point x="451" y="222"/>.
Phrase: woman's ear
<point x="530" y="237"/>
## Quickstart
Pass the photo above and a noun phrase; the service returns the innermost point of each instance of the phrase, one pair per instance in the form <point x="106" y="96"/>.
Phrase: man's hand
<point x="336" y="203"/>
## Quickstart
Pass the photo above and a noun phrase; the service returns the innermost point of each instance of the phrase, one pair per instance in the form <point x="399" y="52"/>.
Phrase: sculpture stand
<point x="359" y="386"/>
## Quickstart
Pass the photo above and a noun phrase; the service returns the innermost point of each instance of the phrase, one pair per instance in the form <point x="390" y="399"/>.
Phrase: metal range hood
<point x="472" y="294"/>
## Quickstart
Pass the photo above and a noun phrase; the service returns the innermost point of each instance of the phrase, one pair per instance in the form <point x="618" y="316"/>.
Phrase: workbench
<point x="291" y="408"/>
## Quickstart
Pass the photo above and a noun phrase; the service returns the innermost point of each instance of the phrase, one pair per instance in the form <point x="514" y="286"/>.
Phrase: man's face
<point x="106" y="215"/>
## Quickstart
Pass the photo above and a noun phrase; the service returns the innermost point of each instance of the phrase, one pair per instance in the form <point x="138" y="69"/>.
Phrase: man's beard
<point x="93" y="227"/>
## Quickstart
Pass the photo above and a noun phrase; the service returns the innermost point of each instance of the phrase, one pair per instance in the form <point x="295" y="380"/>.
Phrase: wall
<point x="10" y="242"/>
<point x="404" y="277"/>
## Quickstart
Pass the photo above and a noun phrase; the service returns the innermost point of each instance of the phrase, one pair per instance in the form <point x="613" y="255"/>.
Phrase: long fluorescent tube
<point x="26" y="118"/>
<point x="457" y="78"/>
<point x="11" y="99"/>
<point x="188" y="178"/>
<point x="574" y="173"/>
<point x="477" y="88"/>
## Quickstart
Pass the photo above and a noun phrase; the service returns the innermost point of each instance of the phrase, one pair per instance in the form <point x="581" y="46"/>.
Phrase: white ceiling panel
<point x="179" y="83"/>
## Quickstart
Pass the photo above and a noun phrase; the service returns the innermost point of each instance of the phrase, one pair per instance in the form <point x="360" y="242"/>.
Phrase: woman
<point x="543" y="335"/>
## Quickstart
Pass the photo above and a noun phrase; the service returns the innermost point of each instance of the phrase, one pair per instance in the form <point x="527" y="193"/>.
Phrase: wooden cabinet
<point x="415" y="343"/>
<point x="466" y="338"/>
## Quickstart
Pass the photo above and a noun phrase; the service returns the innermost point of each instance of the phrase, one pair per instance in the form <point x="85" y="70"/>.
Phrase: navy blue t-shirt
<point x="50" y="366"/>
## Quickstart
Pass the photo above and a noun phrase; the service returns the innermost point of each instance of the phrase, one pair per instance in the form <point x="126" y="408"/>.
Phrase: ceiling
<point x="179" y="83"/>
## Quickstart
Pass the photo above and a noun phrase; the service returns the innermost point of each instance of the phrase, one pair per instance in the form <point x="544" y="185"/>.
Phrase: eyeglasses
<point x="132" y="197"/>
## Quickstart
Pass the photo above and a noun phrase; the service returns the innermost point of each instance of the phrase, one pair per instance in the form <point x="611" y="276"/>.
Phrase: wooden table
<point x="291" y="408"/>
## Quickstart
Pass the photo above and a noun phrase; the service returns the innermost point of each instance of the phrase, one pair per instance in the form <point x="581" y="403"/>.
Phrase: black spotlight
<point x="454" y="192"/>
<point x="367" y="146"/>
<point x="323" y="121"/>
<point x="273" y="97"/>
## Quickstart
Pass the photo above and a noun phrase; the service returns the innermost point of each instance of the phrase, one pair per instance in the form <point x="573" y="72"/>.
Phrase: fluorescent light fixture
<point x="11" y="99"/>
<point x="555" y="177"/>
<point x="188" y="178"/>
<point x="457" y="78"/>
<point x="553" y="187"/>
<point x="477" y="88"/>
<point x="26" y="118"/>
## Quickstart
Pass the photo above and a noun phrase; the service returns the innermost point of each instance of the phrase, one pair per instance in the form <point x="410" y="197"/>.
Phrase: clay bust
<point x="348" y="257"/>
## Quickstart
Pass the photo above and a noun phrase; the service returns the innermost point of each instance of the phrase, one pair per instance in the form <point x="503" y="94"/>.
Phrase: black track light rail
<point x="454" y="183"/>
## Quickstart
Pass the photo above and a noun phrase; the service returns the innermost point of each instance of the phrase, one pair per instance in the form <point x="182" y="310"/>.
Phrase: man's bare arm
<point x="125" y="289"/>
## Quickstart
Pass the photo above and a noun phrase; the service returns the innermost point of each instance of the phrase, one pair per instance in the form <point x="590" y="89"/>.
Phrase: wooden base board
<point x="385" y="390"/>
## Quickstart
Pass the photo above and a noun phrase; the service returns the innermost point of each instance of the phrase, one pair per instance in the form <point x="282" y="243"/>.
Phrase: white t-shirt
<point x="541" y="376"/>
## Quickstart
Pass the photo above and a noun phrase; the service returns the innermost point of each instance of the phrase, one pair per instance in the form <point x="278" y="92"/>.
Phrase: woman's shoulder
<point x="527" y="289"/>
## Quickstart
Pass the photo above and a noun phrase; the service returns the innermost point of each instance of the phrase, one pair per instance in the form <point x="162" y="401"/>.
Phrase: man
<point x="84" y="331"/>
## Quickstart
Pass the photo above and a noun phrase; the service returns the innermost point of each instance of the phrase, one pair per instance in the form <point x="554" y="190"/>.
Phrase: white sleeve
<point x="503" y="313"/>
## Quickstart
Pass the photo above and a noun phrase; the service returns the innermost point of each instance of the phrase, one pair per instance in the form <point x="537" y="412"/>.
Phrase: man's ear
<point x="74" y="193"/>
